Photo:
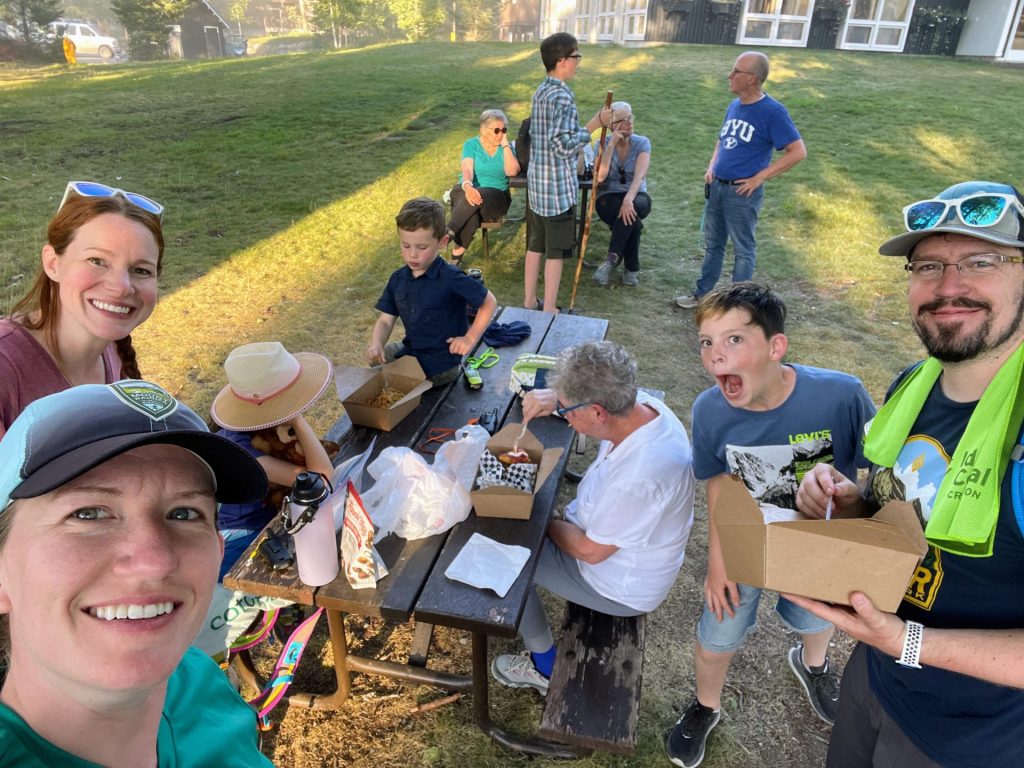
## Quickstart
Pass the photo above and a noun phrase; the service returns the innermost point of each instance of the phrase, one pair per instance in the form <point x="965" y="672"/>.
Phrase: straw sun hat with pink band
<point x="267" y="386"/>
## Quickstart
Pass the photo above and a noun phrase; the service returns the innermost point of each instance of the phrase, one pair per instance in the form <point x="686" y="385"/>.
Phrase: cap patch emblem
<point x="146" y="398"/>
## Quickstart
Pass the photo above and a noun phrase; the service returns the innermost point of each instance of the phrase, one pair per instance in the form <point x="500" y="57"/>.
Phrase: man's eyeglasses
<point x="95" y="189"/>
<point x="982" y="209"/>
<point x="735" y="71"/>
<point x="576" y="56"/>
<point x="499" y="131"/>
<point x="978" y="265"/>
<point x="564" y="409"/>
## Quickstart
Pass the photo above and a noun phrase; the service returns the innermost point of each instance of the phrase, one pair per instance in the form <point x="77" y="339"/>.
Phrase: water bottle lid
<point x="308" y="487"/>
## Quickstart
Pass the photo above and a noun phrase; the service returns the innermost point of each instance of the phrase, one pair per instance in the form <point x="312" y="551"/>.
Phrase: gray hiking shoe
<point x="601" y="275"/>
<point x="685" y="744"/>
<point x="629" y="278"/>
<point x="688" y="300"/>
<point x="822" y="688"/>
<point x="516" y="670"/>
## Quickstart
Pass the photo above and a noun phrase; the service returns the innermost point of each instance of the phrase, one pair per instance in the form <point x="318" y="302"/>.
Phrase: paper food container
<point x="500" y="501"/>
<point x="357" y="386"/>
<point x="821" y="559"/>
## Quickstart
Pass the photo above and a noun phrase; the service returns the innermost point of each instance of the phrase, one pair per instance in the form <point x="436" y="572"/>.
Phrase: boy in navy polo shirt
<point x="431" y="296"/>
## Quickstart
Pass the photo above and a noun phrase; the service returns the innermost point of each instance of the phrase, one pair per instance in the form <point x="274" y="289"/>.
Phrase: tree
<point x="146" y="22"/>
<point x="29" y="12"/>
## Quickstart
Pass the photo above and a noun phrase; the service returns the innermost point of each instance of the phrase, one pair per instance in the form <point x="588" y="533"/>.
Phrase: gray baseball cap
<point x="986" y="210"/>
<point x="62" y="436"/>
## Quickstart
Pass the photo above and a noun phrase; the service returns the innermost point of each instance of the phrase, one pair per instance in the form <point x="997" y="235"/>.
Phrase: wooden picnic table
<point x="416" y="587"/>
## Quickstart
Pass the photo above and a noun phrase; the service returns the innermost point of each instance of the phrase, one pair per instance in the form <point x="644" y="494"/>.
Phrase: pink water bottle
<point x="311" y="523"/>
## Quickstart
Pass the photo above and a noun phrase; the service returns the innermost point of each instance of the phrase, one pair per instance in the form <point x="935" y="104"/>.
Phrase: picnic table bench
<point x="416" y="587"/>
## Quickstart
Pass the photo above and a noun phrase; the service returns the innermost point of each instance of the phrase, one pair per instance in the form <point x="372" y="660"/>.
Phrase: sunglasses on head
<point x="982" y="209"/>
<point x="499" y="131"/>
<point x="95" y="189"/>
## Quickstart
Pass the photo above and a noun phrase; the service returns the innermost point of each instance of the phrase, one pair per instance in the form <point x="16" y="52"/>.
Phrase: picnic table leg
<point x="482" y="713"/>
<point x="339" y="646"/>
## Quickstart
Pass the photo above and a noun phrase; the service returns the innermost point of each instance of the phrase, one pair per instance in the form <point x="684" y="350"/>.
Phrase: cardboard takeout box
<point x="821" y="559"/>
<point x="502" y="501"/>
<point x="357" y="386"/>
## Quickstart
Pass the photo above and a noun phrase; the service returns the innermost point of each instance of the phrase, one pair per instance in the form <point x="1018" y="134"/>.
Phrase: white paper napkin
<point x="488" y="564"/>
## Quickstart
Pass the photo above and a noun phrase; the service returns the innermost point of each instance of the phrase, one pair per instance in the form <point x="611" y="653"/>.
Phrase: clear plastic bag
<point x="413" y="499"/>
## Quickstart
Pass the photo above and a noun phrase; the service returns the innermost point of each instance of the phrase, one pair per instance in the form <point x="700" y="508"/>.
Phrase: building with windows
<point x="986" y="28"/>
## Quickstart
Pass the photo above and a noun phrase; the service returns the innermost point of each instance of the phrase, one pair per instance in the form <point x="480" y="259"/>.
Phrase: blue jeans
<point x="729" y="215"/>
<point x="728" y="634"/>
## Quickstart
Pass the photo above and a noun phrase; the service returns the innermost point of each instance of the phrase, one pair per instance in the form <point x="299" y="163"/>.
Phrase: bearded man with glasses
<point x="755" y="126"/>
<point x="940" y="681"/>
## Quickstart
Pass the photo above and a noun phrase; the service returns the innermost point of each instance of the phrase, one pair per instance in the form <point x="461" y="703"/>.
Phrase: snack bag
<point x="362" y="565"/>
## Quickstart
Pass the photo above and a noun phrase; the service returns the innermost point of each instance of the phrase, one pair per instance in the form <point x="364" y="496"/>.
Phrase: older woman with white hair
<point x="622" y="199"/>
<point x="621" y="542"/>
<point x="482" y="193"/>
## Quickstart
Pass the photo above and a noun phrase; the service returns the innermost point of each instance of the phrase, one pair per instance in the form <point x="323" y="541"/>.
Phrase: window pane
<point x="762" y="6"/>
<point x="863" y="10"/>
<point x="790" y="30"/>
<point x="858" y="35"/>
<point x="794" y="7"/>
<point x="759" y="29"/>
<point x="895" y="10"/>
<point x="888" y="36"/>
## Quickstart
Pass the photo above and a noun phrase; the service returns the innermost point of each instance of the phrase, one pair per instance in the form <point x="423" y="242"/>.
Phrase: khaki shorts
<point x="553" y="236"/>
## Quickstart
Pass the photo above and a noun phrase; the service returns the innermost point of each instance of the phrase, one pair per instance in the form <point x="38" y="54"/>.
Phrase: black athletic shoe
<point x="822" y="688"/>
<point x="689" y="736"/>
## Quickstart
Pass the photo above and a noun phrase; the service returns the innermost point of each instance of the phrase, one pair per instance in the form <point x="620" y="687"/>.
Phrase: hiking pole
<point x="590" y="208"/>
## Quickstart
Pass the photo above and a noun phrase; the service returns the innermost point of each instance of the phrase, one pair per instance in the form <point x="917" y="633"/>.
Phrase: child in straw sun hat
<point x="268" y="388"/>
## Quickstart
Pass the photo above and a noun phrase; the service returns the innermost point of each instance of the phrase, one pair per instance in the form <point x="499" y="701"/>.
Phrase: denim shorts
<point x="728" y="635"/>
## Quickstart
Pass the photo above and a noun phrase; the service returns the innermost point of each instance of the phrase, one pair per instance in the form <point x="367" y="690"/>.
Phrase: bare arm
<point x="722" y="596"/>
<point x="791" y="155"/>
<point x="379" y="337"/>
<point x="628" y="212"/>
<point x="539" y="402"/>
<point x="574" y="542"/>
<point x="993" y="655"/>
<point x="606" y="156"/>
<point x="468" y="174"/>
<point x="463" y="345"/>
<point x="509" y="159"/>
<point x="284" y="472"/>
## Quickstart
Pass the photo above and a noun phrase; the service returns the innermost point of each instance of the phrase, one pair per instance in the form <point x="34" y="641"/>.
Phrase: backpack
<point x="523" y="146"/>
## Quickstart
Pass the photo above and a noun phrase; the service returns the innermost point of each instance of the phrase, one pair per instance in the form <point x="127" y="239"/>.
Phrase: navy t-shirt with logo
<point x="956" y="720"/>
<point x="749" y="135"/>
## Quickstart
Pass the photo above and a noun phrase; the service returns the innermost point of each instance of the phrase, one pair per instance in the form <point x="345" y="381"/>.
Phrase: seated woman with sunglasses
<point x="621" y="542"/>
<point x="482" y="193"/>
<point x="97" y="282"/>
<point x="622" y="199"/>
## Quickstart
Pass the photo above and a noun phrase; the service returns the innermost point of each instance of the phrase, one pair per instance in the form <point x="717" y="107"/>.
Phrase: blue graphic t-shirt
<point x="822" y="420"/>
<point x="956" y="720"/>
<point x="749" y="135"/>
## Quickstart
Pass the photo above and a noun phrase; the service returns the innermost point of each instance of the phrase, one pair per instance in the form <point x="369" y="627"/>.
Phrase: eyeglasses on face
<point x="561" y="410"/>
<point x="576" y="56"/>
<point x="627" y="119"/>
<point x="499" y="131"/>
<point x="978" y="265"/>
<point x="735" y="71"/>
<point x="95" y="189"/>
<point x="982" y="209"/>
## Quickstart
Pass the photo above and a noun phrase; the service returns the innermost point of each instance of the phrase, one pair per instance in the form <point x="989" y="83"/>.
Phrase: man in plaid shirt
<point x="556" y="138"/>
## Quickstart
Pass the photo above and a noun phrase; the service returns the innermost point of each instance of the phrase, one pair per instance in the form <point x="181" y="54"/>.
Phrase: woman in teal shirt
<point x="482" y="193"/>
<point x="108" y="557"/>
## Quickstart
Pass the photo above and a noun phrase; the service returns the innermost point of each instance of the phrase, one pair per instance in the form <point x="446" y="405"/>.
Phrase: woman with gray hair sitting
<point x="482" y="193"/>
<point x="622" y="199"/>
<point x="621" y="542"/>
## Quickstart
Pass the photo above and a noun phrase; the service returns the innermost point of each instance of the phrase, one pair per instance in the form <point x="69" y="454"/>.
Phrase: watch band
<point x="911" y="645"/>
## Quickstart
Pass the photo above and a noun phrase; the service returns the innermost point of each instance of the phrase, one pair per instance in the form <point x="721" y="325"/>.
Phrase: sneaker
<point x="686" y="742"/>
<point x="516" y="670"/>
<point x="822" y="688"/>
<point x="601" y="275"/>
<point x="688" y="300"/>
<point x="629" y="278"/>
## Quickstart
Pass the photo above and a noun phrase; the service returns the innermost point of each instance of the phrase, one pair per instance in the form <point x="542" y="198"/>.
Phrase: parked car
<point x="86" y="39"/>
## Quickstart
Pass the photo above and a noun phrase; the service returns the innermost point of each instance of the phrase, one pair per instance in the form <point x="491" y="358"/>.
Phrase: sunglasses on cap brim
<point x="981" y="209"/>
<point x="95" y="189"/>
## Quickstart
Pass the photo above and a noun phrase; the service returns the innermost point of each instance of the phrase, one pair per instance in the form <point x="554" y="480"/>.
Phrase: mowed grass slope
<point x="282" y="175"/>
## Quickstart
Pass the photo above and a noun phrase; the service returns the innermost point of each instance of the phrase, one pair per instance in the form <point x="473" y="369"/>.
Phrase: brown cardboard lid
<point x="903" y="515"/>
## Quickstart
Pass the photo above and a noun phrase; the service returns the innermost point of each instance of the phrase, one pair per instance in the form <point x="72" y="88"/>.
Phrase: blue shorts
<point x="728" y="634"/>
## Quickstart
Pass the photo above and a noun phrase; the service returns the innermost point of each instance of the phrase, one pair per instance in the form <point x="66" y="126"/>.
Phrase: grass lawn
<point x="282" y="175"/>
